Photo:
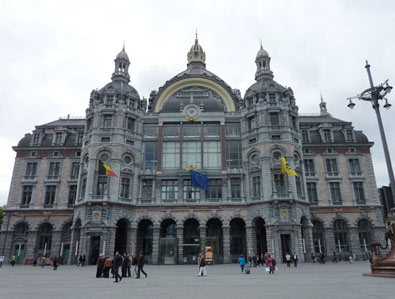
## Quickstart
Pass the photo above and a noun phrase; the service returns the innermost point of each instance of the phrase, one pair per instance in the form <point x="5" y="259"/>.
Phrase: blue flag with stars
<point x="199" y="179"/>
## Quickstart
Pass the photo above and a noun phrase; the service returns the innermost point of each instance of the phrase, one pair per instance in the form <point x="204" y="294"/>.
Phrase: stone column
<point x="90" y="178"/>
<point x="330" y="245"/>
<point x="133" y="239"/>
<point x="180" y="240"/>
<point x="111" y="239"/>
<point x="251" y="240"/>
<point x="226" y="244"/>
<point x="266" y="178"/>
<point x="246" y="182"/>
<point x="31" y="245"/>
<point x="155" y="245"/>
<point x="202" y="232"/>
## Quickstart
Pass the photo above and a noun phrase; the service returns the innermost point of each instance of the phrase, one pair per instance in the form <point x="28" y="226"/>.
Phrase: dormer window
<point x="274" y="119"/>
<point x="110" y="99"/>
<point x="107" y="121"/>
<point x="305" y="136"/>
<point x="58" y="138"/>
<point x="327" y="135"/>
<point x="36" y="139"/>
<point x="251" y="123"/>
<point x="131" y="124"/>
<point x="350" y="136"/>
<point x="79" y="138"/>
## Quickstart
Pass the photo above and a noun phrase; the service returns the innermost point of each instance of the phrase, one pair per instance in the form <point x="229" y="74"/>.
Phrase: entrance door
<point x="66" y="253"/>
<point x="19" y="253"/>
<point x="95" y="247"/>
<point x="215" y="244"/>
<point x="168" y="251"/>
<point x="285" y="246"/>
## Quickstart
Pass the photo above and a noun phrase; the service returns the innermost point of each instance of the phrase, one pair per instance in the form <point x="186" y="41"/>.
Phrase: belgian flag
<point x="108" y="169"/>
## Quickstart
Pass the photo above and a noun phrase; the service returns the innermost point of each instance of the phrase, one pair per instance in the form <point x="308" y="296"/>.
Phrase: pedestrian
<point x="264" y="259"/>
<point x="322" y="258"/>
<point x="35" y="262"/>
<point x="269" y="263"/>
<point x="117" y="263"/>
<point x="13" y="260"/>
<point x="249" y="261"/>
<point x="129" y="265"/>
<point x="42" y="261"/>
<point x="202" y="265"/>
<point x="135" y="262"/>
<point x="295" y="259"/>
<point x="125" y="264"/>
<point x="255" y="260"/>
<point x="334" y="257"/>
<point x="242" y="262"/>
<point x="100" y="266"/>
<point x="83" y="260"/>
<point x="55" y="263"/>
<point x="288" y="259"/>
<point x="107" y="266"/>
<point x="313" y="257"/>
<point x="79" y="260"/>
<point x="1" y="260"/>
<point x="141" y="265"/>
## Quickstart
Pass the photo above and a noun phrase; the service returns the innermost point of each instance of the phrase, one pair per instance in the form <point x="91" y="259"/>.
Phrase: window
<point x="211" y="130"/>
<point x="101" y="185"/>
<point x="31" y="170"/>
<point x="359" y="192"/>
<point x="312" y="193"/>
<point x="335" y="193"/>
<point x="305" y="136"/>
<point x="110" y="99"/>
<point x="365" y="233"/>
<point x="150" y="130"/>
<point x="251" y="123"/>
<point x="171" y="155"/>
<point x="233" y="154"/>
<point x="191" y="192"/>
<point x="72" y="194"/>
<point x="318" y="236"/>
<point x="107" y="121"/>
<point x="212" y="154"/>
<point x="349" y="135"/>
<point x="191" y="130"/>
<point x="44" y="237"/>
<point x="232" y="130"/>
<point x="276" y="137"/>
<point x="309" y="167"/>
<point x="331" y="167"/>
<point x="54" y="170"/>
<point x="58" y="138"/>
<point x="36" y="139"/>
<point x="279" y="182"/>
<point x="171" y="131"/>
<point x="274" y="119"/>
<point x="146" y="191"/>
<point x="327" y="135"/>
<point x="169" y="190"/>
<point x="50" y="194"/>
<point x="214" y="190"/>
<point x="256" y="186"/>
<point x="235" y="188"/>
<point x="131" y="124"/>
<point x="125" y="187"/>
<point x="294" y="122"/>
<point x="299" y="189"/>
<point x="80" y="136"/>
<point x="150" y="153"/>
<point x="105" y="139"/>
<point x="341" y="235"/>
<point x="75" y="167"/>
<point x="191" y="154"/>
<point x="355" y="168"/>
<point x="83" y="188"/>
<point x="26" y="195"/>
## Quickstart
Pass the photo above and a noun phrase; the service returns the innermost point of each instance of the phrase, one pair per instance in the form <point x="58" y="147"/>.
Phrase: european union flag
<point x="199" y="179"/>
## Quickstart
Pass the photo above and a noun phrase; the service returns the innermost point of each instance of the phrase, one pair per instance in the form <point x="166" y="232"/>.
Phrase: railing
<point x="97" y="197"/>
<point x="24" y="206"/>
<point x="48" y="205"/>
<point x="30" y="177"/>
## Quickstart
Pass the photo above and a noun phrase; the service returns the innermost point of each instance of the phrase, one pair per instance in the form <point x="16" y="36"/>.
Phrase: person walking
<point x="42" y="261"/>
<point x="13" y="260"/>
<point x="202" y="265"/>
<point x="117" y="263"/>
<point x="288" y="259"/>
<point x="295" y="259"/>
<point x="334" y="257"/>
<point x="100" y="266"/>
<point x="241" y="262"/>
<point x="313" y="257"/>
<point x="135" y="262"/>
<point x="129" y="265"/>
<point x="79" y="260"/>
<point x="55" y="263"/>
<point x="125" y="264"/>
<point x="269" y="263"/>
<point x="141" y="265"/>
<point x="83" y="260"/>
<point x="107" y="266"/>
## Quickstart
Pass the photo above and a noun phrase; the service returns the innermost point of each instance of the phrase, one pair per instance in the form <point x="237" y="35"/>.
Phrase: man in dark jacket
<point x="100" y="266"/>
<point x="125" y="264"/>
<point x="141" y="265"/>
<point x="117" y="264"/>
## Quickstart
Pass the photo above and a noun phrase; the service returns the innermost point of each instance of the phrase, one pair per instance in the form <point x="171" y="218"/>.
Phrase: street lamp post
<point x="373" y="95"/>
<point x="381" y="267"/>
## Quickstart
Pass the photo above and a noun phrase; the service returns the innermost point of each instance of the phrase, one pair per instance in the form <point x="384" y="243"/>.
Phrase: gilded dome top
<point x="196" y="53"/>
<point x="123" y="55"/>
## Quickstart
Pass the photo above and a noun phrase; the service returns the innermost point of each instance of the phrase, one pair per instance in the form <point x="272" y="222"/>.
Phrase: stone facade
<point x="63" y="202"/>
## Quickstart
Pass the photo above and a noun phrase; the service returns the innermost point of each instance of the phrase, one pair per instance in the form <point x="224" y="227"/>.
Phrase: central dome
<point x="196" y="53"/>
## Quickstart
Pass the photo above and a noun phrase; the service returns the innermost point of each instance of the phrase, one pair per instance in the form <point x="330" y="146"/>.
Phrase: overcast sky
<point x="53" y="53"/>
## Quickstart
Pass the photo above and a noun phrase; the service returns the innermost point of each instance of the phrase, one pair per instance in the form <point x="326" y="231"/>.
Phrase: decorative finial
<point x="123" y="49"/>
<point x="196" y="36"/>
<point x="261" y="45"/>
<point x="321" y="97"/>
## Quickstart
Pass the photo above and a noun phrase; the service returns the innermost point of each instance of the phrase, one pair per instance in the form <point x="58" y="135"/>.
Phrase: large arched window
<point x="145" y="237"/>
<point x="318" y="236"/>
<point x="365" y="234"/>
<point x="44" y="237"/>
<point x="340" y="230"/>
<point x="237" y="238"/>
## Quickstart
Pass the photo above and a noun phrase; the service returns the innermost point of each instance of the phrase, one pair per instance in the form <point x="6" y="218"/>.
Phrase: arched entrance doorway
<point x="65" y="243"/>
<point x="237" y="239"/>
<point x="168" y="243"/>
<point x="215" y="240"/>
<point x="260" y="232"/>
<point x="19" y="242"/>
<point x="191" y="241"/>
<point x="44" y="240"/>
<point x="121" y="236"/>
<point x="145" y="238"/>
<point x="318" y="237"/>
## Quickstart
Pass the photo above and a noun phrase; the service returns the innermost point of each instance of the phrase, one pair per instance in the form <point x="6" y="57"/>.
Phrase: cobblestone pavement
<point x="340" y="280"/>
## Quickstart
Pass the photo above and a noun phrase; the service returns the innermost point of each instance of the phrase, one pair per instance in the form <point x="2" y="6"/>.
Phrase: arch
<point x="260" y="235"/>
<point x="237" y="216"/>
<point x="21" y="229"/>
<point x="44" y="238"/>
<point x="189" y="82"/>
<point x="341" y="233"/>
<point x="318" y="235"/>
<point x="214" y="238"/>
<point x="145" y="217"/>
<point x="191" y="216"/>
<point x="103" y="150"/>
<point x="269" y="151"/>
<point x="365" y="234"/>
<point x="191" y="239"/>
<point x="20" y="222"/>
<point x="168" y="228"/>
<point x="339" y="217"/>
<point x="121" y="235"/>
<point x="44" y="221"/>
<point x="168" y="217"/>
<point x="238" y="240"/>
<point x="145" y="233"/>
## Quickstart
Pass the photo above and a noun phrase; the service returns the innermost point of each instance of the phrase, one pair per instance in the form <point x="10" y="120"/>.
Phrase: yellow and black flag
<point x="108" y="169"/>
<point x="286" y="168"/>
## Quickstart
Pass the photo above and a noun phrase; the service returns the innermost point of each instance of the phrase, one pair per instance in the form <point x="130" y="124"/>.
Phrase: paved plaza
<point x="340" y="280"/>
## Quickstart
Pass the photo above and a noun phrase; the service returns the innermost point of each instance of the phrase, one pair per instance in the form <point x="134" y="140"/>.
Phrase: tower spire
<point x="121" y="72"/>
<point x="323" y="110"/>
